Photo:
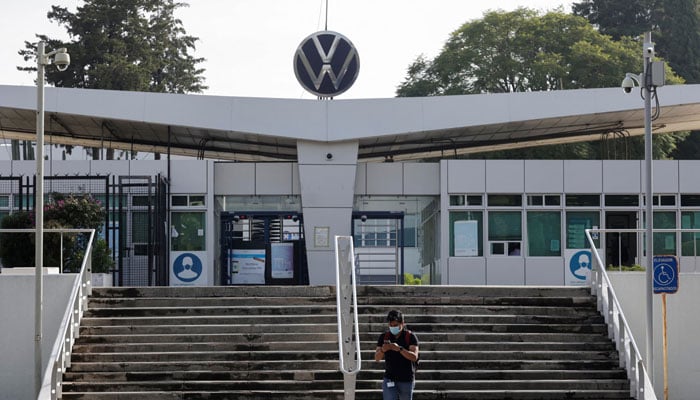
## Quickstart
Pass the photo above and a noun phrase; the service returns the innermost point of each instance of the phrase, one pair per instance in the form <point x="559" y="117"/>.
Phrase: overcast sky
<point x="249" y="44"/>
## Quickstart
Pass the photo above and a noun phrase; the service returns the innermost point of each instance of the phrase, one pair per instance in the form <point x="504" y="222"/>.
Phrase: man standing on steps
<point x="398" y="347"/>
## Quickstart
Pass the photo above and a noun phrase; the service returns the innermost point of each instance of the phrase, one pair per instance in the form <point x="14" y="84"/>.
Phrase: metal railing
<point x="69" y="329"/>
<point x="346" y="298"/>
<point x="619" y="330"/>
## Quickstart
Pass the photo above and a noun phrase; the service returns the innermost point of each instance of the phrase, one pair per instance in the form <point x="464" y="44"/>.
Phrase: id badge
<point x="390" y="384"/>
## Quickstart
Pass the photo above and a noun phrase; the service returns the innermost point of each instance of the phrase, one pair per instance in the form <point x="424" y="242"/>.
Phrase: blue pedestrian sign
<point x="665" y="274"/>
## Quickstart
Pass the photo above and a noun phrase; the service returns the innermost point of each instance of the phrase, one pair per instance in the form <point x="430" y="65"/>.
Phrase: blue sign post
<point x="665" y="274"/>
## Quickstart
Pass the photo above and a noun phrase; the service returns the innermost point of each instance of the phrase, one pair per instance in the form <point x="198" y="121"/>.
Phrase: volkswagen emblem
<point x="326" y="63"/>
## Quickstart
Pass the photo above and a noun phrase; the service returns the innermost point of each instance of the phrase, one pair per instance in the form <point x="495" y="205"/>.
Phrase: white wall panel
<point x="688" y="173"/>
<point x="466" y="270"/>
<point x="361" y="179"/>
<point x="505" y="271"/>
<point x="466" y="176"/>
<point x="153" y="167"/>
<point x="327" y="187"/>
<point x="188" y="176"/>
<point x="27" y="168"/>
<point x="384" y="179"/>
<point x="296" y="187"/>
<point x="273" y="178"/>
<point x="421" y="179"/>
<point x="544" y="176"/>
<point x="234" y="178"/>
<point x="665" y="176"/>
<point x="317" y="152"/>
<point x="547" y="271"/>
<point x="621" y="176"/>
<point x="109" y="167"/>
<point x="582" y="176"/>
<point x="5" y="168"/>
<point x="505" y="176"/>
<point x="63" y="168"/>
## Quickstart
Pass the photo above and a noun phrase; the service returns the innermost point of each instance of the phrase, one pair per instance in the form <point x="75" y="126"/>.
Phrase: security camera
<point x="650" y="50"/>
<point x="329" y="156"/>
<point x="62" y="60"/>
<point x="363" y="218"/>
<point x="627" y="84"/>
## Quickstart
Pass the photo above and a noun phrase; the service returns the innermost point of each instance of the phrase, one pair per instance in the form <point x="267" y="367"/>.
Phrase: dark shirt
<point x="396" y="366"/>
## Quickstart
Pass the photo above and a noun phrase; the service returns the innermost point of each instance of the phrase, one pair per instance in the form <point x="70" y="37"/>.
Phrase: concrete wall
<point x="17" y="338"/>
<point x="683" y="326"/>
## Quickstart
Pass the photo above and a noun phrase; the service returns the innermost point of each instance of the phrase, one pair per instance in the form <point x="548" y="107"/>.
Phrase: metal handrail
<point x="618" y="329"/>
<point x="69" y="329"/>
<point x="350" y="357"/>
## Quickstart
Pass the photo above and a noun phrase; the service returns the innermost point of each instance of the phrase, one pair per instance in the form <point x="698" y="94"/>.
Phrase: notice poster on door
<point x="247" y="266"/>
<point x="466" y="238"/>
<point x="282" y="260"/>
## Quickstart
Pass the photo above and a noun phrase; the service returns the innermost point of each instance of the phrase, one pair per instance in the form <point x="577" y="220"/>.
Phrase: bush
<point x="409" y="279"/>
<point x="79" y="212"/>
<point x="17" y="249"/>
<point x="625" y="268"/>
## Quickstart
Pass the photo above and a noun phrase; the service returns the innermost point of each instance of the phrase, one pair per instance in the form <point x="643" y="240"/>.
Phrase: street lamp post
<point x="647" y="81"/>
<point x="61" y="59"/>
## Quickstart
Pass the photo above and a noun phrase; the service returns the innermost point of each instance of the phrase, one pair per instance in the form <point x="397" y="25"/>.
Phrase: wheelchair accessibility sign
<point x="665" y="274"/>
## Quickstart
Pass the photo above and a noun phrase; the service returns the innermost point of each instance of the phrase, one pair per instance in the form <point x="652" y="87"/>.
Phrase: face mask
<point x="394" y="330"/>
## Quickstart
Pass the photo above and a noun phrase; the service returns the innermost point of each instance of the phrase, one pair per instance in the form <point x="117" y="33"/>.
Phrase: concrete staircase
<point x="281" y="343"/>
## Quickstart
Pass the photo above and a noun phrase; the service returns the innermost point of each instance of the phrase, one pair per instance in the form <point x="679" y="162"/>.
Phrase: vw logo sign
<point x="326" y="63"/>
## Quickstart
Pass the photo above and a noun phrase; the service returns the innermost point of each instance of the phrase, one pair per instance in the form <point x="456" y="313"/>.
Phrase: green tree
<point x="524" y="50"/>
<point x="135" y="45"/>
<point x="675" y="27"/>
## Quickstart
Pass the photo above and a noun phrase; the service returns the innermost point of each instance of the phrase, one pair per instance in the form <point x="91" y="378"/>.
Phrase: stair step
<point x="360" y="395"/>
<point x="425" y="348"/>
<point x="325" y="375"/>
<point x="247" y="342"/>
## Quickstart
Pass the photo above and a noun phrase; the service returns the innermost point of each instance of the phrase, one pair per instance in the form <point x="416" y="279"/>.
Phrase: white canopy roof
<point x="236" y="128"/>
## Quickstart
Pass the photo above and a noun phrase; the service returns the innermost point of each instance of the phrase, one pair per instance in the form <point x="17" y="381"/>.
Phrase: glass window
<point x="583" y="200"/>
<point x="196" y="201"/>
<point x="690" y="241"/>
<point x="664" y="242"/>
<point x="409" y="230"/>
<point x="544" y="200"/>
<point x="142" y="201"/>
<point x="621" y="200"/>
<point x="179" y="201"/>
<point x="457" y="200"/>
<point x="690" y="200"/>
<point x="187" y="231"/>
<point x="4" y="201"/>
<point x="505" y="226"/>
<point x="475" y="200"/>
<point x="464" y="226"/>
<point x="576" y="224"/>
<point x="544" y="234"/>
<point x="505" y="200"/>
<point x="139" y="227"/>
<point x="535" y="200"/>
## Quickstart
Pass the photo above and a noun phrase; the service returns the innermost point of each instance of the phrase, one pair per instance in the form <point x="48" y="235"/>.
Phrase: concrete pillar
<point x="327" y="179"/>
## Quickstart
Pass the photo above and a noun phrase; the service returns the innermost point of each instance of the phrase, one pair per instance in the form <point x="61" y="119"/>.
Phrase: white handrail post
<point x="349" y="353"/>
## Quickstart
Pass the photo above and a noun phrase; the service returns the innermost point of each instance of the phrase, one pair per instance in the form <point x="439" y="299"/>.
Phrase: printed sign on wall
<point x="188" y="268"/>
<point x="578" y="267"/>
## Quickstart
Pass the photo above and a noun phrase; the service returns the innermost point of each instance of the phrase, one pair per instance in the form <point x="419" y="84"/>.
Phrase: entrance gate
<point x="379" y="247"/>
<point x="140" y="228"/>
<point x="259" y="248"/>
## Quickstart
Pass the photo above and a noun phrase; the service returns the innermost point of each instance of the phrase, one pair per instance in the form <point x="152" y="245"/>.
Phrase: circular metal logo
<point x="326" y="63"/>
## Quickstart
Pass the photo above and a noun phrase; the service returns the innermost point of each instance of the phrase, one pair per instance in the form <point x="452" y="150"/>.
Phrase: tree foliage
<point x="134" y="45"/>
<point x="675" y="27"/>
<point x="524" y="50"/>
